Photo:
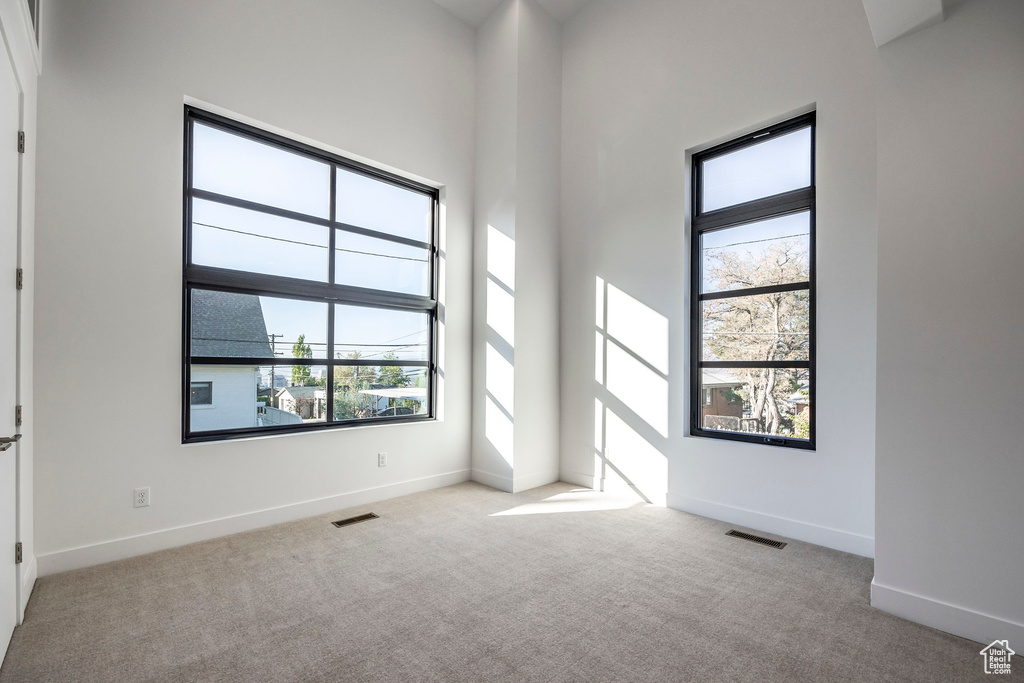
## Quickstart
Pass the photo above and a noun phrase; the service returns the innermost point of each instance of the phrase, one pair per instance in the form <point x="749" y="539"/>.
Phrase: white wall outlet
<point x="382" y="460"/>
<point x="142" y="497"/>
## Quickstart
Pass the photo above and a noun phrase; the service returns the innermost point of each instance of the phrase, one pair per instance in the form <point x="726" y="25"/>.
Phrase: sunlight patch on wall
<point x="498" y="429"/>
<point x="639" y="328"/>
<point x="639" y="387"/>
<point x="500" y="379"/>
<point x="501" y="312"/>
<point x="501" y="257"/>
<point x="639" y="464"/>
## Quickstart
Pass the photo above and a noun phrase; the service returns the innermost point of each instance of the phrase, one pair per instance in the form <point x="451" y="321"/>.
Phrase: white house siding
<point x="234" y="397"/>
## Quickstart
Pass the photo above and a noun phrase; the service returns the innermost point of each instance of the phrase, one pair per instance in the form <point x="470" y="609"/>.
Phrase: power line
<point x="767" y="239"/>
<point x="309" y="244"/>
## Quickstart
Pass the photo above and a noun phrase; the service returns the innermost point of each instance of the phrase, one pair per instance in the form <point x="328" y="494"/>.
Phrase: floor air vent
<point x="751" y="537"/>
<point x="355" y="520"/>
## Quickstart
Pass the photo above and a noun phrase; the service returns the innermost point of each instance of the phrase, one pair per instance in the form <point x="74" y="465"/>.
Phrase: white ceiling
<point x="473" y="12"/>
<point x="892" y="19"/>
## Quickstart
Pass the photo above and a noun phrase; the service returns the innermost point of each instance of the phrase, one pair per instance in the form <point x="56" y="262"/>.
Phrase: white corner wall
<point x="391" y="81"/>
<point x="950" y="324"/>
<point x="644" y="84"/>
<point x="518" y="127"/>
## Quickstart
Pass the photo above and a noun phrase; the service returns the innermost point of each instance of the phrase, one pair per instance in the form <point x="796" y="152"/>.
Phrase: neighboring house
<point x="800" y="400"/>
<point x="309" y="403"/>
<point x="226" y="324"/>
<point x="719" y="400"/>
<point x="280" y="381"/>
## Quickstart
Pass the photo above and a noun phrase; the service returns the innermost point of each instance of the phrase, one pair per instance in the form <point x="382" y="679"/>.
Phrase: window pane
<point x="771" y="252"/>
<point x="370" y="203"/>
<point x="757" y="401"/>
<point x="236" y="166"/>
<point x="379" y="264"/>
<point x="368" y="392"/>
<point x="229" y="237"/>
<point x="201" y="393"/>
<point x="762" y="327"/>
<point x="247" y="326"/>
<point x="246" y="398"/>
<point x="380" y="334"/>
<point x="777" y="165"/>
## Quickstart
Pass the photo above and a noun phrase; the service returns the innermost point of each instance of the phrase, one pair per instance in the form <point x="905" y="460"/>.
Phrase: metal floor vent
<point x="355" y="520"/>
<point x="756" y="539"/>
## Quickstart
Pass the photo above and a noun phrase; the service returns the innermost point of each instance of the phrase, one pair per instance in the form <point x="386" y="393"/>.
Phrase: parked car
<point x="393" y="411"/>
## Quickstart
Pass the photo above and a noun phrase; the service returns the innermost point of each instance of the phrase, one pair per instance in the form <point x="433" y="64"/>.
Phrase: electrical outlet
<point x="382" y="460"/>
<point x="142" y="497"/>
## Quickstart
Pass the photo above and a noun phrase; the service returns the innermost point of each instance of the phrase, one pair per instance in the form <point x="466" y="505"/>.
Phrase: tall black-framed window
<point x="309" y="286"/>
<point x="752" y="287"/>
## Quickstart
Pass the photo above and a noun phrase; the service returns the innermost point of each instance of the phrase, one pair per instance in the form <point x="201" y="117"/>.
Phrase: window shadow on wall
<point x="499" y="359"/>
<point x="631" y="371"/>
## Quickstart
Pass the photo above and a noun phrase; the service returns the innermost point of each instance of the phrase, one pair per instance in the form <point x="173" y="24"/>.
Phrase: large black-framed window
<point x="752" y="321"/>
<point x="309" y="287"/>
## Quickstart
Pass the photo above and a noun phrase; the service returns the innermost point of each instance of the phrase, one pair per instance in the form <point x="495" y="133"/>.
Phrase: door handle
<point x="6" y="443"/>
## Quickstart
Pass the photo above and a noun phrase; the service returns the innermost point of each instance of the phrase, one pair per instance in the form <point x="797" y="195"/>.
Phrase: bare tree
<point x="764" y="327"/>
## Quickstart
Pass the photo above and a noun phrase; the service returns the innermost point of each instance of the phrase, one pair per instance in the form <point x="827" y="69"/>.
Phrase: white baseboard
<point x="532" y="481"/>
<point x="495" y="481"/>
<point x="28" y="582"/>
<point x="578" y="478"/>
<point x="802" y="531"/>
<point x="119" y="549"/>
<point x="960" y="621"/>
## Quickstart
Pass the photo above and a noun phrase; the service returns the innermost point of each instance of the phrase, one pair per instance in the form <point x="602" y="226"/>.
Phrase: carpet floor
<point x="466" y="583"/>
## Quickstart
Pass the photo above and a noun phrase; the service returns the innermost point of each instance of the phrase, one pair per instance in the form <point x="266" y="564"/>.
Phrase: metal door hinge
<point x="17" y="416"/>
<point x="17" y="553"/>
<point x="21" y="141"/>
<point x="21" y="278"/>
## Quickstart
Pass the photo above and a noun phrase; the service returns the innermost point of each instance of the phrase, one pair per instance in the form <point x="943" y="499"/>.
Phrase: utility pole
<point x="273" y="369"/>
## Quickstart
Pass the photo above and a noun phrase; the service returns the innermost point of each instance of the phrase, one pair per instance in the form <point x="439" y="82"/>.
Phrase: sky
<point x="241" y="239"/>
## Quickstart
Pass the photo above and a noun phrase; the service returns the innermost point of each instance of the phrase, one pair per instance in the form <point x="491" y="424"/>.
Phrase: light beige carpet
<point x="444" y="588"/>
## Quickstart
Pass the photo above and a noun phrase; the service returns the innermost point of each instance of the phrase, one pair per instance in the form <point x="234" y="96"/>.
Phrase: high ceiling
<point x="889" y="19"/>
<point x="473" y="12"/>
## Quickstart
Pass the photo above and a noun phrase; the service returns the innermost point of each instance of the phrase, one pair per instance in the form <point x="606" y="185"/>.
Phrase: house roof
<point x="398" y="392"/>
<point x="302" y="392"/>
<point x="719" y="378"/>
<point x="228" y="324"/>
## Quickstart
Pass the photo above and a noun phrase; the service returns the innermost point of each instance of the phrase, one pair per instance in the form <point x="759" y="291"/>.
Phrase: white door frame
<point x="19" y="44"/>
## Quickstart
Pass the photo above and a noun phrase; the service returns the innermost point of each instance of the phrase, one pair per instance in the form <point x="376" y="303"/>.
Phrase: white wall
<point x="537" y="247"/>
<point x="497" y="112"/>
<point x="20" y="41"/>
<point x="390" y="80"/>
<point x="644" y="83"/>
<point x="516" y="408"/>
<point x="951" y="324"/>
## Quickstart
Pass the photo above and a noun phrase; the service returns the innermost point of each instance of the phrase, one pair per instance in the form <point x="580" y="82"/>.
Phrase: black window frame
<point x="773" y="206"/>
<point x="244" y="282"/>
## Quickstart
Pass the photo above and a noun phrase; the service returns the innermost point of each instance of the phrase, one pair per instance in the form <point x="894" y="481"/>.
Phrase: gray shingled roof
<point x="228" y="324"/>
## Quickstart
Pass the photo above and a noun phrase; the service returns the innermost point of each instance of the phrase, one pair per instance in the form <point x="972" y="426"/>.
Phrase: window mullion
<point x="756" y="291"/>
